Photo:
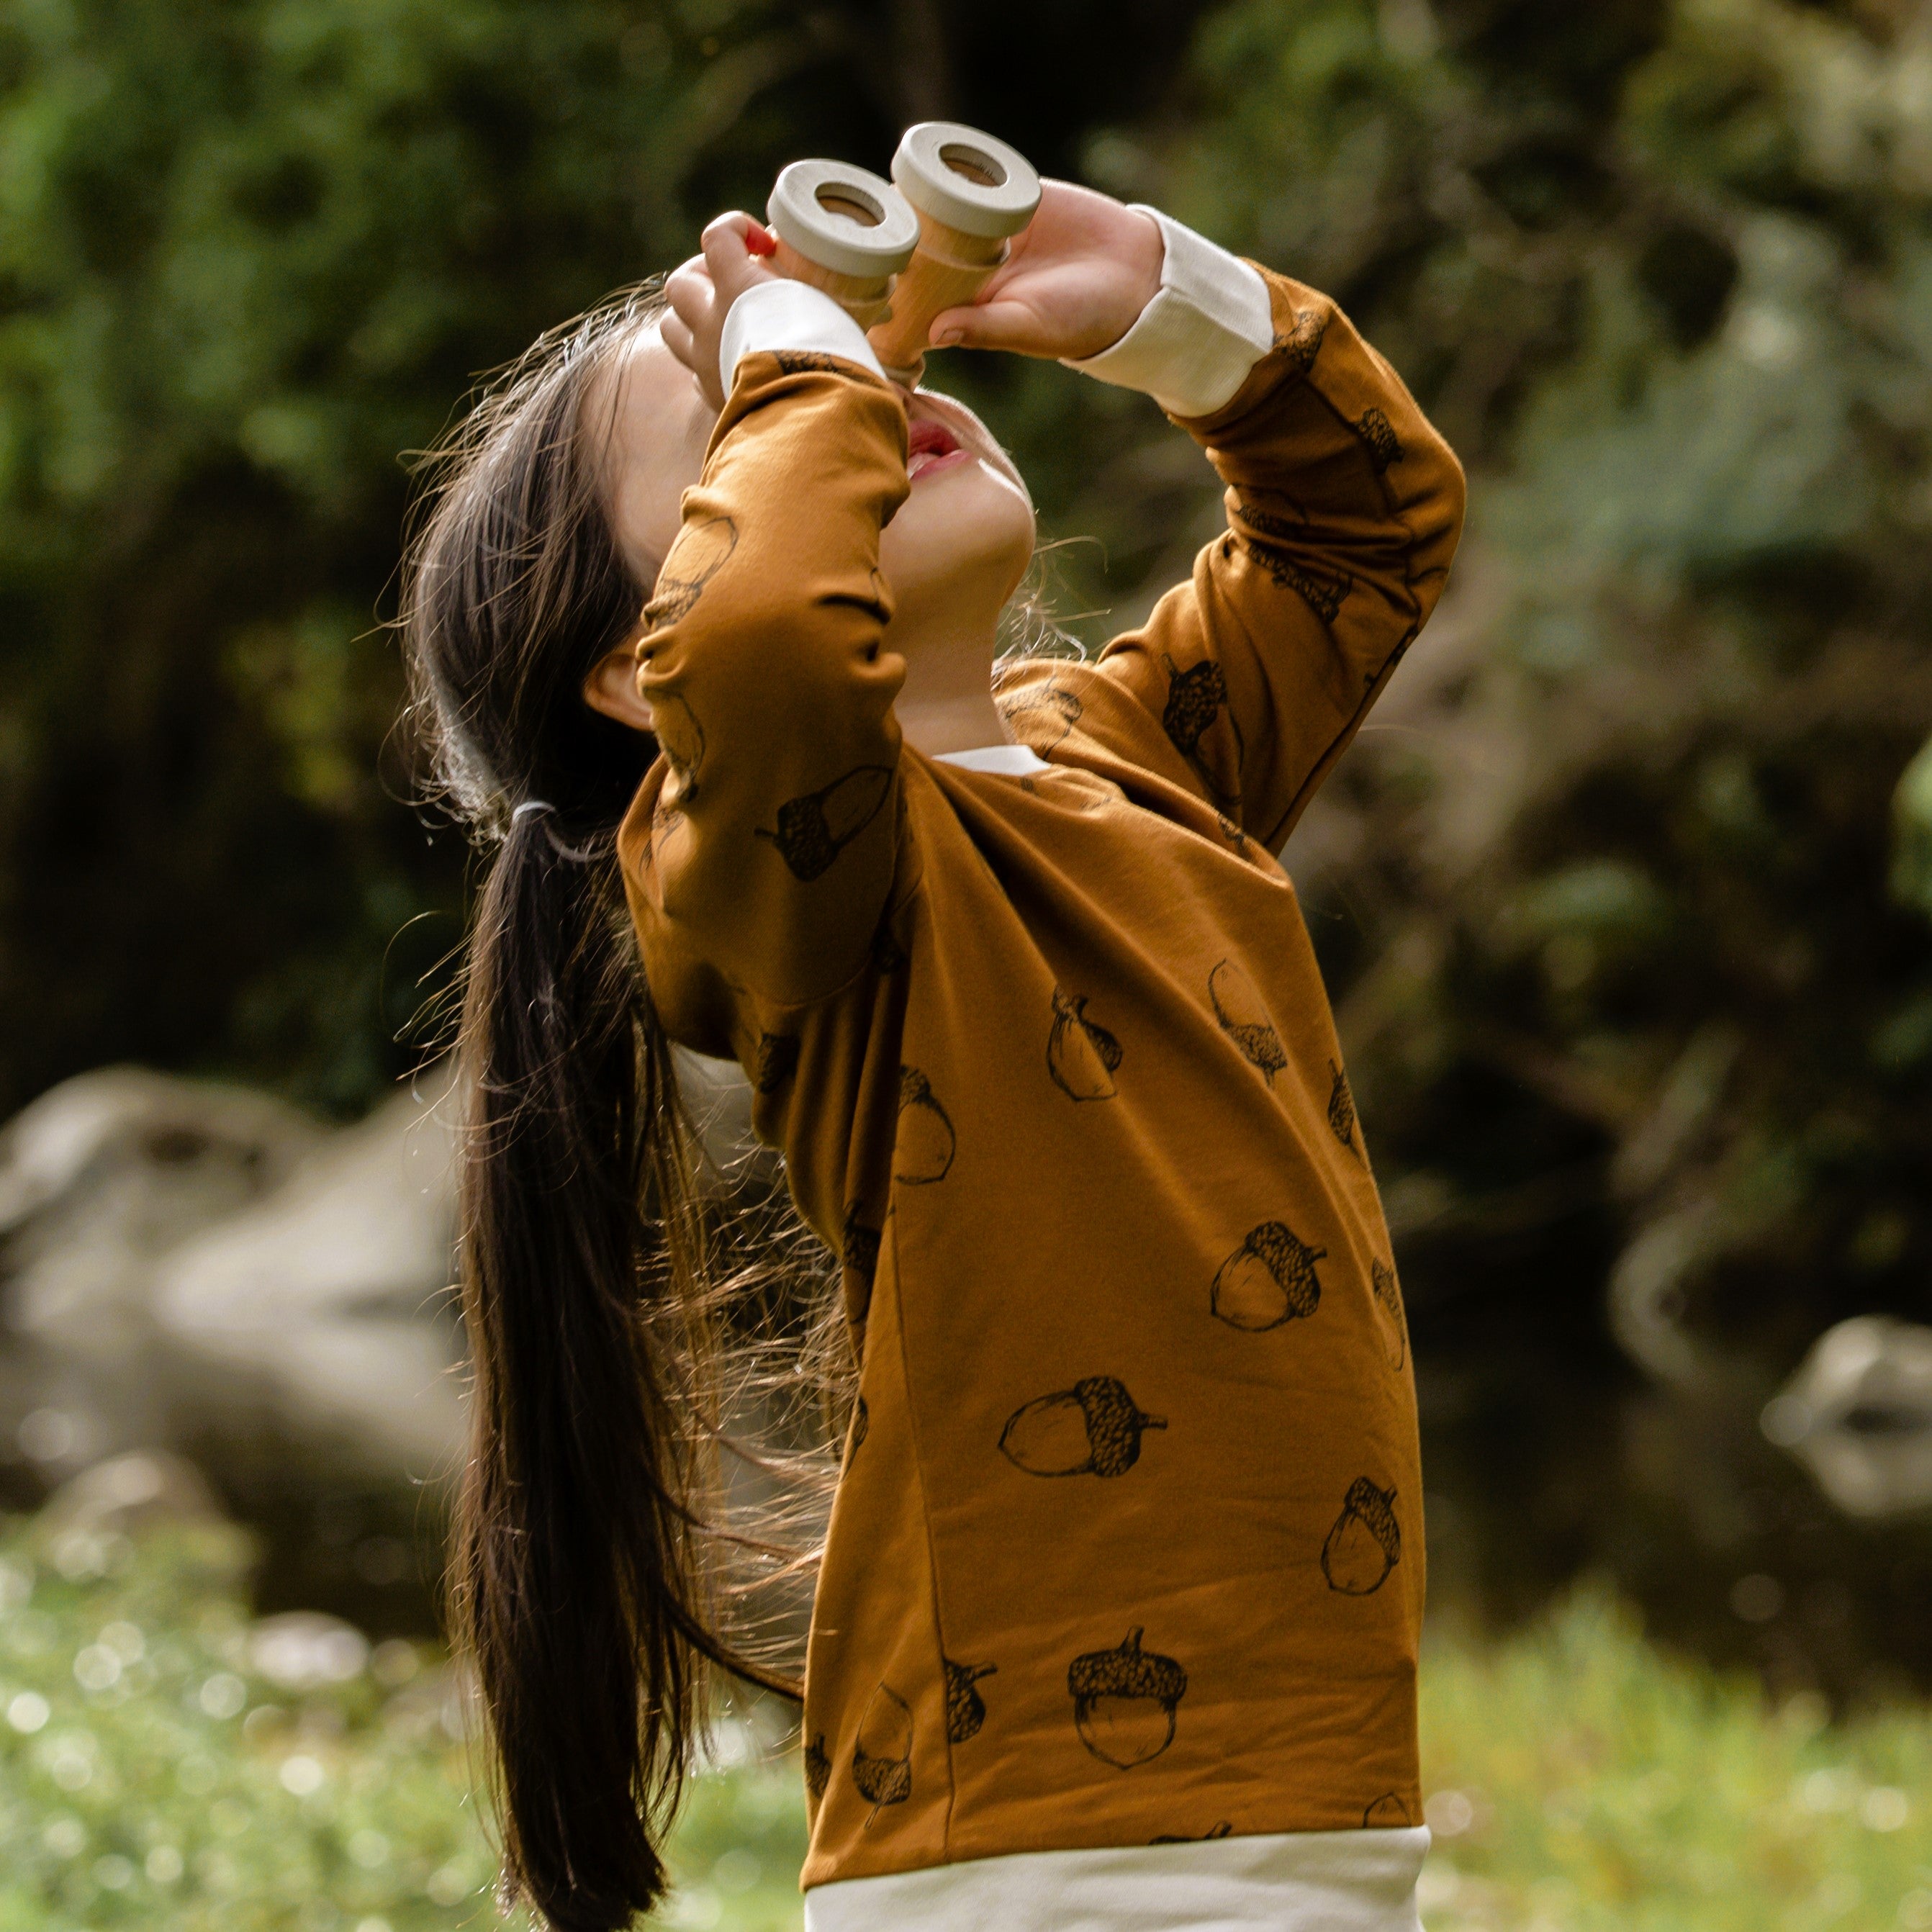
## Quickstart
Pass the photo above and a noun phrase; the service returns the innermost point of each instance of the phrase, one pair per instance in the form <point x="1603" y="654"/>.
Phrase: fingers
<point x="733" y="244"/>
<point x="677" y="337"/>
<point x="986" y="325"/>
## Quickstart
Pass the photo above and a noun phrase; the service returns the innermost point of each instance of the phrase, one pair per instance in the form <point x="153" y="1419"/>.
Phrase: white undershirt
<point x="1285" y="1881"/>
<point x="1191" y="349"/>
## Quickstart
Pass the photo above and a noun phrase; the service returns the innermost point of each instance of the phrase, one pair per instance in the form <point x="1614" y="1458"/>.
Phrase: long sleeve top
<point x="1127" y="1545"/>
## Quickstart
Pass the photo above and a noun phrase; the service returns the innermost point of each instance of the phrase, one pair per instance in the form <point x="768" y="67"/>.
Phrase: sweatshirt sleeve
<point x="763" y="842"/>
<point x="1344" y="507"/>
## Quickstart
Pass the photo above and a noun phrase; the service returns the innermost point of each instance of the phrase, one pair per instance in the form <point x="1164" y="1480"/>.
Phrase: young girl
<point x="1116" y="1621"/>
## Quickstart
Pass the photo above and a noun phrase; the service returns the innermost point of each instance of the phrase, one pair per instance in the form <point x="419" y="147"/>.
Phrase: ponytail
<point x="579" y="1586"/>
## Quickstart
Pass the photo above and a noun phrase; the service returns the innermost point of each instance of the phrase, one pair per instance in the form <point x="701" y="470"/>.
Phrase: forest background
<point x="1623" y="895"/>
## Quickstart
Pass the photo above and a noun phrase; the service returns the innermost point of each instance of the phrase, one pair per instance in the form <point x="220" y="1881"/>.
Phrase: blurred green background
<point x="1625" y="896"/>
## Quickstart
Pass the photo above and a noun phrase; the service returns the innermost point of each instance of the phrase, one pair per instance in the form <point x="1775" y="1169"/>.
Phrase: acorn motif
<point x="777" y="1061"/>
<point x="882" y="1757"/>
<point x="817" y="1768"/>
<point x="1341" y="1107"/>
<point x="680" y="737"/>
<point x="1366" y="1544"/>
<point x="926" y="1144"/>
<point x="814" y="828"/>
<point x="1082" y="1056"/>
<point x="1041" y="718"/>
<point x="1232" y="832"/>
<point x="1092" y="1429"/>
<point x="1243" y="1018"/>
<point x="1388" y="1812"/>
<point x="1270" y="1279"/>
<point x="862" y="1423"/>
<point x="1224" y="1829"/>
<point x="1303" y="342"/>
<point x="696" y="555"/>
<point x="1124" y="1701"/>
<point x="1387" y="1291"/>
<point x="859" y="1247"/>
<point x="965" y="1709"/>
<point x="1377" y="434"/>
<point x="1196" y="698"/>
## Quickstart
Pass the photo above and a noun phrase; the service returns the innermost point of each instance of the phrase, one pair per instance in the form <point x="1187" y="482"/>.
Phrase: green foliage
<point x="151" y="1775"/>
<point x="1581" y="1778"/>
<point x="252" y="254"/>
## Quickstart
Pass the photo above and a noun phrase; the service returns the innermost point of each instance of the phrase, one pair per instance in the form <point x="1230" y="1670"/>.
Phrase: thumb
<point x="993" y="325"/>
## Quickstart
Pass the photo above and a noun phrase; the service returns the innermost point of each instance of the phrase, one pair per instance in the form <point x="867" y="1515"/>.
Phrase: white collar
<point x="1011" y="761"/>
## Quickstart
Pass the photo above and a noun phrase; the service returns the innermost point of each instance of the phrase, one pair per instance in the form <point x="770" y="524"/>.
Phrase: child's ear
<point x="612" y="688"/>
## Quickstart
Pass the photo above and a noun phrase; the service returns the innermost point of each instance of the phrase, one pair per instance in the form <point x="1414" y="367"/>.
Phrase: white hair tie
<point x="531" y="805"/>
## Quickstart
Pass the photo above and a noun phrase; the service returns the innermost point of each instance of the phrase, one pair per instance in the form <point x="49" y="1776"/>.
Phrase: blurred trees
<point x="252" y="252"/>
<point x="1622" y="897"/>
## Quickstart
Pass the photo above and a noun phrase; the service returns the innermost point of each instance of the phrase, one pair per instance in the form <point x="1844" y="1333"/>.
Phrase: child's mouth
<point x="931" y="445"/>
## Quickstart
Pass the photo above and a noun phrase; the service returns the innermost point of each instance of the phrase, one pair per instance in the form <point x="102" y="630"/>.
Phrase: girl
<point x="1116" y="1619"/>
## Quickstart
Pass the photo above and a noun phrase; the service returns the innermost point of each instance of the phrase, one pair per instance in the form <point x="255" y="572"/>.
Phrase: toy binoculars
<point x="895" y="254"/>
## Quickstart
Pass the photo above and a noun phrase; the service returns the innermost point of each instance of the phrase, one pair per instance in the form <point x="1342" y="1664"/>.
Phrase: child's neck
<point x="947" y="702"/>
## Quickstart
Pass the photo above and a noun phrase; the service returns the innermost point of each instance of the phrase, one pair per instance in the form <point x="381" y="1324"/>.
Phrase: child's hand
<point x="1076" y="282"/>
<point x="701" y="291"/>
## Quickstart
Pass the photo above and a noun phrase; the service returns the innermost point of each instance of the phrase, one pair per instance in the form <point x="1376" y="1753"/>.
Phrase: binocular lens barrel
<point x="896" y="253"/>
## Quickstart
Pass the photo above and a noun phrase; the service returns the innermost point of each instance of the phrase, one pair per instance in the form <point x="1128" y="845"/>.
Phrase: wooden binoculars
<point x="894" y="254"/>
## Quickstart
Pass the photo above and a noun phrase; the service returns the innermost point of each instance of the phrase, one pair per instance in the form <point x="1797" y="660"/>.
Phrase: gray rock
<point x="1858" y="1415"/>
<point x="329" y="1299"/>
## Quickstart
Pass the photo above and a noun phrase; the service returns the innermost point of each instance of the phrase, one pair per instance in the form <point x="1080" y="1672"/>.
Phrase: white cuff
<point x="1209" y="324"/>
<point x="790" y="315"/>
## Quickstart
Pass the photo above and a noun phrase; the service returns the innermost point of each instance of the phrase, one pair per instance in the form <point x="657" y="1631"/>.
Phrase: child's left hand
<point x="1074" y="282"/>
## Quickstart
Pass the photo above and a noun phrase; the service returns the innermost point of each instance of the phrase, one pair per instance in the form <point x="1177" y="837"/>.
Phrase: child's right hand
<point x="701" y="291"/>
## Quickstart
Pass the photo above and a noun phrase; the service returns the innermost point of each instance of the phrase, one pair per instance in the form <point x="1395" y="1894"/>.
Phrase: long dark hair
<point x="582" y="1586"/>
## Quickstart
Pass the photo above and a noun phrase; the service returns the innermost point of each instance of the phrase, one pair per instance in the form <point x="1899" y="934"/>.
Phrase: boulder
<point x="1858" y="1415"/>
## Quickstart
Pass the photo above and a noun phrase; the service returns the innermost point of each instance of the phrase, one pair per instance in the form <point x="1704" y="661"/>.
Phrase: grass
<point x="166" y="1764"/>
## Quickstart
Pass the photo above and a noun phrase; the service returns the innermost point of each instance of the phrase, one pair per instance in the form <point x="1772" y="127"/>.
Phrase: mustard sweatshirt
<point x="1127" y="1546"/>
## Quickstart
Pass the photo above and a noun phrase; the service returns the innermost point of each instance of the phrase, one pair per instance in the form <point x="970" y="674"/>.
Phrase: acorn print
<point x="1224" y="1829"/>
<point x="1092" y="1429"/>
<point x="1124" y="1701"/>
<point x="815" y="829"/>
<point x="1341" y="1107"/>
<point x="1379" y="437"/>
<point x="965" y="1709"/>
<point x="680" y="737"/>
<point x="859" y="1245"/>
<point x="1365" y="1545"/>
<point x="1303" y="342"/>
<point x="882" y="1758"/>
<point x="1243" y="1018"/>
<point x="807" y="362"/>
<point x="1323" y="595"/>
<point x="924" y="1150"/>
<point x="697" y="555"/>
<point x="777" y="1061"/>
<point x="1270" y="1279"/>
<point x="1042" y="717"/>
<point x="862" y="1423"/>
<point x="1082" y="1056"/>
<point x="817" y="1768"/>
<point x="1386" y="1813"/>
<point x="1195" y="697"/>
<point x="1387" y="1292"/>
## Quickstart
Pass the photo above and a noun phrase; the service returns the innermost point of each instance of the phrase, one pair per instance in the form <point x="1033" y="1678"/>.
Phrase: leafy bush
<point x="166" y="1763"/>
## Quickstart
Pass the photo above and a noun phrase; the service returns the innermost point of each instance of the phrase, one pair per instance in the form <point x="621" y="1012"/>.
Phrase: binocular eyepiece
<point x="895" y="254"/>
